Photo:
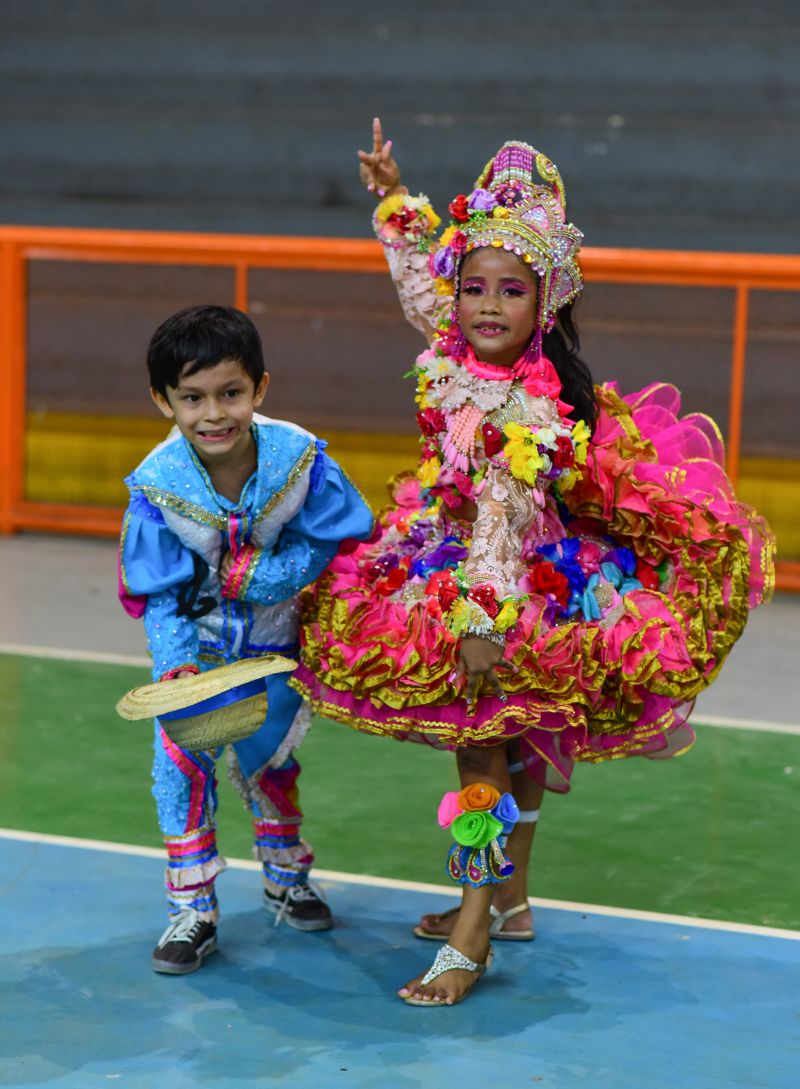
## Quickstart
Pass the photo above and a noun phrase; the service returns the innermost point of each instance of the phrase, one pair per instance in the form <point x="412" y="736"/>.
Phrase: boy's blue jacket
<point x="285" y="528"/>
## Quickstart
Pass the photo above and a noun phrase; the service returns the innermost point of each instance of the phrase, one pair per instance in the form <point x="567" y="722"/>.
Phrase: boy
<point x="228" y="519"/>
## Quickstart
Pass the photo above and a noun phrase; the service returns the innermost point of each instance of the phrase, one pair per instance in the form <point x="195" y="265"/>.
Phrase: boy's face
<point x="213" y="410"/>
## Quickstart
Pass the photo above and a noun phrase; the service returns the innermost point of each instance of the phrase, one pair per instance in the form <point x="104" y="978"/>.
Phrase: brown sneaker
<point x="183" y="946"/>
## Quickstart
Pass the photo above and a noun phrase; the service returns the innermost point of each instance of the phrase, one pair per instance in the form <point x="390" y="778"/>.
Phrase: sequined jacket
<point x="283" y="531"/>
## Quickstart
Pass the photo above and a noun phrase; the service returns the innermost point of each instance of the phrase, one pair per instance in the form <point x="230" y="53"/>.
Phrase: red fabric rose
<point x="493" y="440"/>
<point x="375" y="570"/>
<point x="403" y="220"/>
<point x="442" y="586"/>
<point x="647" y="575"/>
<point x="458" y="243"/>
<point x="564" y="454"/>
<point x="431" y="421"/>
<point x="459" y="208"/>
<point x="393" y="581"/>
<point x="485" y="596"/>
<point x="544" y="579"/>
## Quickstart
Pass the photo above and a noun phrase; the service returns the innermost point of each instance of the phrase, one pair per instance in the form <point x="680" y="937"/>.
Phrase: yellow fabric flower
<point x="580" y="438"/>
<point x="423" y="385"/>
<point x="567" y="480"/>
<point x="447" y="236"/>
<point x="443" y="286"/>
<point x="458" y="616"/>
<point x="507" y="617"/>
<point x="389" y="205"/>
<point x="524" y="459"/>
<point x="431" y="216"/>
<point x="499" y="212"/>
<point x="428" y="472"/>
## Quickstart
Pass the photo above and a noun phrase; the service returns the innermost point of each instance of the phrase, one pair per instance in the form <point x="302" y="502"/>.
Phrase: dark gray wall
<point x="674" y="124"/>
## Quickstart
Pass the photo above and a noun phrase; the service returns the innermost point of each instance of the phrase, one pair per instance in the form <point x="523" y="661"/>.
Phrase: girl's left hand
<point x="477" y="659"/>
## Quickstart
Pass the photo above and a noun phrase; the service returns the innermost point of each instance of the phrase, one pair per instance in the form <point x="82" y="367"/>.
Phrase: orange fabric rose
<point x="478" y="796"/>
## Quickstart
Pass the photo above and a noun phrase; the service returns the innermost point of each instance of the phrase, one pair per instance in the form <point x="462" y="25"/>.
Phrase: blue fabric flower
<point x="618" y="579"/>
<point x="506" y="811"/>
<point x="623" y="557"/>
<point x="589" y="605"/>
<point x="449" y="553"/>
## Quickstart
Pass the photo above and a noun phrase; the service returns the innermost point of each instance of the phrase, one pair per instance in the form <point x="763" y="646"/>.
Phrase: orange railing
<point x="742" y="273"/>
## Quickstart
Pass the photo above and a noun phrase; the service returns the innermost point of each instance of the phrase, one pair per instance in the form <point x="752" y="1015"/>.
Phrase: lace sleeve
<point x="507" y="509"/>
<point x="405" y="226"/>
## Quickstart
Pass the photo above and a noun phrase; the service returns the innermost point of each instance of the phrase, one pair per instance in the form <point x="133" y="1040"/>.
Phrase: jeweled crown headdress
<point x="518" y="204"/>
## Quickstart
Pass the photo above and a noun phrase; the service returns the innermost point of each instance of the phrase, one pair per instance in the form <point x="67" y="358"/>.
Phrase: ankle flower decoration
<point x="480" y="819"/>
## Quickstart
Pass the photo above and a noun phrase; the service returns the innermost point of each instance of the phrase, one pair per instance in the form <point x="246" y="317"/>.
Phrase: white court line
<point x="418" y="886"/>
<point x="743" y="724"/>
<point x="59" y="654"/>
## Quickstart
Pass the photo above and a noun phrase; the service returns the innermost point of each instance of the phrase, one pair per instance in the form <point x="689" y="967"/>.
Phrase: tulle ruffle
<point x="578" y="689"/>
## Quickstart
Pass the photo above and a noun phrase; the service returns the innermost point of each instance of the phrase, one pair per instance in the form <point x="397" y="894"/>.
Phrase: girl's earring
<point x="533" y="353"/>
<point x="458" y="343"/>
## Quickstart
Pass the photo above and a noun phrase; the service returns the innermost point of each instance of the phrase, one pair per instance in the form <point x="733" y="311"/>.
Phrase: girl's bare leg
<point x="470" y="934"/>
<point x="528" y="795"/>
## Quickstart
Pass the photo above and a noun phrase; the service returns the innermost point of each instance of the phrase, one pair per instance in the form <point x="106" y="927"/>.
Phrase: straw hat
<point x="208" y="709"/>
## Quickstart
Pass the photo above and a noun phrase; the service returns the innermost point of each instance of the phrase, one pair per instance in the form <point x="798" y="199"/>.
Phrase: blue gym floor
<point x="597" y="1001"/>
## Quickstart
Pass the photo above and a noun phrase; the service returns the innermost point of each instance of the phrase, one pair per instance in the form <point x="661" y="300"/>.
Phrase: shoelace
<point x="184" y="929"/>
<point x="296" y="894"/>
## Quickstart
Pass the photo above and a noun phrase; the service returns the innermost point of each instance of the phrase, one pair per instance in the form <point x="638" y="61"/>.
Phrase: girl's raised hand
<point x="378" y="170"/>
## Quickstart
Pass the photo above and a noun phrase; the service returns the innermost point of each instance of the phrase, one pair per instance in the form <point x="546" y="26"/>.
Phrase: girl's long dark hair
<point x="562" y="346"/>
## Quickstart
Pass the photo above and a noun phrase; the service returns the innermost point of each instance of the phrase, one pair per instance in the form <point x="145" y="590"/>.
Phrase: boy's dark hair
<point x="200" y="337"/>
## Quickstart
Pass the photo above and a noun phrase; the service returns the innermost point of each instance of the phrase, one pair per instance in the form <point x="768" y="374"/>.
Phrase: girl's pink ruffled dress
<point x="619" y="569"/>
<point x="638" y="582"/>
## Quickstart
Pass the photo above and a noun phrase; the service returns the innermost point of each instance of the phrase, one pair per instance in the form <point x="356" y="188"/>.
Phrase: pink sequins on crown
<point x="512" y="163"/>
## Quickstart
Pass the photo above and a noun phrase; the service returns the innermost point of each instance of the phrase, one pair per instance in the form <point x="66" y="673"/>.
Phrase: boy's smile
<point x="213" y="410"/>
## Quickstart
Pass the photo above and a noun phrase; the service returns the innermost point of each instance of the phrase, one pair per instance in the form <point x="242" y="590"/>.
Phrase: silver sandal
<point x="499" y="920"/>
<point x="446" y="959"/>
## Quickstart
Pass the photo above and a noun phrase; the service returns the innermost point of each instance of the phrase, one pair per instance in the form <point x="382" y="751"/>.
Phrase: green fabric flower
<point x="476" y="829"/>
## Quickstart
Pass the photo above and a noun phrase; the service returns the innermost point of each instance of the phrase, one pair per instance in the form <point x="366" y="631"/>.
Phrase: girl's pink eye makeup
<point x="505" y="285"/>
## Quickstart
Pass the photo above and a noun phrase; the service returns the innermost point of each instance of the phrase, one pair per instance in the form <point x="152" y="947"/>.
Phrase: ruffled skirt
<point x="636" y="591"/>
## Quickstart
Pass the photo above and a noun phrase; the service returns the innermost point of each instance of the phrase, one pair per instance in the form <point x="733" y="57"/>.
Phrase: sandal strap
<point x="500" y="917"/>
<point x="448" y="958"/>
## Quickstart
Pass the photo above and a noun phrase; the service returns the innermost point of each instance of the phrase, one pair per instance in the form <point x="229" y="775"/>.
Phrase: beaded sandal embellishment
<point x="448" y="958"/>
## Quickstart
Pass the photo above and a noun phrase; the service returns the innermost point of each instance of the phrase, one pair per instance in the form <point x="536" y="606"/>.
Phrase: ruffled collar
<point x="539" y="379"/>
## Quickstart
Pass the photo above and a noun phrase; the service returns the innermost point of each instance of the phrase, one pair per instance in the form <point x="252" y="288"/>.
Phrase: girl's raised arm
<point x="405" y="225"/>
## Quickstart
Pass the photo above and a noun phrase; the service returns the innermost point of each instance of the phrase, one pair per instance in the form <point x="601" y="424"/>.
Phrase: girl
<point x="570" y="562"/>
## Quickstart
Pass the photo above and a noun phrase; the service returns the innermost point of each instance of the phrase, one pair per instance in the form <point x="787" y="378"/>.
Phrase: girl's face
<point x="497" y="305"/>
<point x="214" y="409"/>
